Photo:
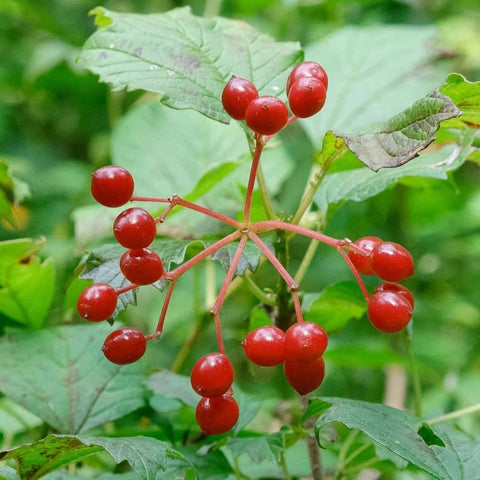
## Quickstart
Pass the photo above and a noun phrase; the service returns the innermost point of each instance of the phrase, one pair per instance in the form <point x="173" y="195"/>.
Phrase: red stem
<point x="163" y="313"/>
<point x="354" y="270"/>
<point x="119" y="291"/>
<point x="259" y="144"/>
<point x="291" y="283"/>
<point x="174" y="274"/>
<point x="296" y="304"/>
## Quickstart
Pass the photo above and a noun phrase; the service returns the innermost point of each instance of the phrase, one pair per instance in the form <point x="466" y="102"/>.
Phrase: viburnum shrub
<point x="301" y="346"/>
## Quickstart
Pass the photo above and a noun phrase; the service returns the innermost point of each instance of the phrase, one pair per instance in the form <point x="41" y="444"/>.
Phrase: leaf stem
<point x="417" y="387"/>
<point x="264" y="297"/>
<point x="455" y="414"/>
<point x="306" y="260"/>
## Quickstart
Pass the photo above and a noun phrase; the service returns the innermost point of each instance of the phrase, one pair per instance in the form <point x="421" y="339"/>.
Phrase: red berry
<point x="265" y="346"/>
<point x="112" y="186"/>
<point x="305" y="341"/>
<point x="141" y="266"/>
<point x="125" y="345"/>
<point x="236" y="96"/>
<point x="212" y="375"/>
<point x="307" y="70"/>
<point x="97" y="302"/>
<point x="304" y="376"/>
<point x="135" y="228"/>
<point x="266" y="115"/>
<point x="389" y="312"/>
<point x="392" y="262"/>
<point x="217" y="415"/>
<point x="362" y="261"/>
<point x="307" y="97"/>
<point x="398" y="289"/>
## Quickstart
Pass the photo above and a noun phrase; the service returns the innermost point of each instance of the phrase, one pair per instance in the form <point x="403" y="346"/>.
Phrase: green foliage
<point x="67" y="413"/>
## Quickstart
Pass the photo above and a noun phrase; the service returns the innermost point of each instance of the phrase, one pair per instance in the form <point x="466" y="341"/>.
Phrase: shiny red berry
<point x="217" y="415"/>
<point x="266" y="115"/>
<point x="304" y="376"/>
<point x="396" y="288"/>
<point x="265" y="346"/>
<point x="237" y="95"/>
<point x="305" y="341"/>
<point x="135" y="228"/>
<point x="97" y="302"/>
<point x="391" y="261"/>
<point x="307" y="97"/>
<point x="212" y="375"/>
<point x="112" y="186"/>
<point x="362" y="260"/>
<point x="389" y="312"/>
<point x="141" y="266"/>
<point x="125" y="345"/>
<point x="307" y="70"/>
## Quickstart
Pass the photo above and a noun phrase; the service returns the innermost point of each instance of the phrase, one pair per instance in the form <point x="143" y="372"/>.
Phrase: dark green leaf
<point x="186" y="59"/>
<point x="393" y="429"/>
<point x="466" y="96"/>
<point x="405" y="135"/>
<point x="335" y="306"/>
<point x="61" y="375"/>
<point x="145" y="455"/>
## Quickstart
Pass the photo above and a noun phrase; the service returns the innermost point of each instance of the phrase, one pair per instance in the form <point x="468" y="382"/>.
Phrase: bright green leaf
<point x="184" y="58"/>
<point x="335" y="306"/>
<point x="61" y="375"/>
<point x="405" y="135"/>
<point x="466" y="96"/>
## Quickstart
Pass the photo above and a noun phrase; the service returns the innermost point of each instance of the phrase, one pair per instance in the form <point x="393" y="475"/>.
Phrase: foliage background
<point x="56" y="123"/>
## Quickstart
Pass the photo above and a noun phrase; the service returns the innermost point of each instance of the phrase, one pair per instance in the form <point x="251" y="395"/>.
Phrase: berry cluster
<point x="266" y="115"/>
<point x="300" y="348"/>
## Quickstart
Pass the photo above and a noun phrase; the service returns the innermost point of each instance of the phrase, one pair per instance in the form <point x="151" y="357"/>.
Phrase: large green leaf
<point x="61" y="375"/>
<point x="145" y="455"/>
<point x="374" y="73"/>
<point x="27" y="285"/>
<point x="405" y="135"/>
<point x="402" y="435"/>
<point x="184" y="58"/>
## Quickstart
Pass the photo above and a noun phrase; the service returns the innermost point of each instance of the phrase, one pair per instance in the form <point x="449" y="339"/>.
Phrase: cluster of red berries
<point x="390" y="307"/>
<point x="306" y="91"/>
<point x="300" y="348"/>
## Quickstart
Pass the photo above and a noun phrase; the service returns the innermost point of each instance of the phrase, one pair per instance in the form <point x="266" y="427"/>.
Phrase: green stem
<point x="306" y="261"/>
<point x="267" y="200"/>
<point x="264" y="297"/>
<point x="312" y="445"/>
<point x="341" y="460"/>
<point x="456" y="414"/>
<point x="283" y="466"/>
<point x="417" y="388"/>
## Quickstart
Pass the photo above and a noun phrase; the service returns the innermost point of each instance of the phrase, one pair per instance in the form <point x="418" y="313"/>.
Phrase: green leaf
<point x="393" y="429"/>
<point x="374" y="72"/>
<point x="184" y="58"/>
<point x="12" y="191"/>
<point x="8" y="473"/>
<point x="266" y="447"/>
<point x="335" y="306"/>
<point x="81" y="390"/>
<point x="250" y="258"/>
<point x="145" y="455"/>
<point x="405" y="135"/>
<point x="166" y="384"/>
<point x="361" y="183"/>
<point x="466" y="96"/>
<point x="27" y="285"/>
<point x="15" y="419"/>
